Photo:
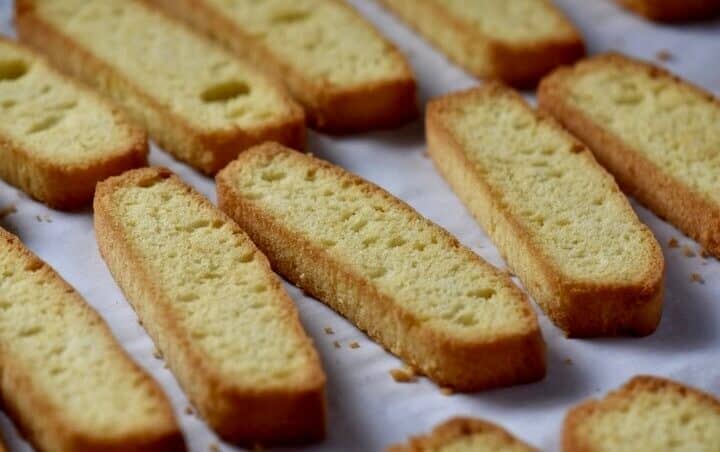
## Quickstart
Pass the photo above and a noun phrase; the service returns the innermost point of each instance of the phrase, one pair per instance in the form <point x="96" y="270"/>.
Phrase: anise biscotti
<point x="58" y="139"/>
<point x="557" y="217"/>
<point x="198" y="101"/>
<point x="403" y="280"/>
<point x="345" y="74"/>
<point x="208" y="298"/>
<point x="657" y="134"/>
<point x="646" y="414"/>
<point x="674" y="10"/>
<point x="465" y="435"/>
<point x="515" y="41"/>
<point x="66" y="382"/>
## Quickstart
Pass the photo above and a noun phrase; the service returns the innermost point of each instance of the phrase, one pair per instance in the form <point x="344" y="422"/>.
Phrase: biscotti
<point x="556" y="216"/>
<point x="66" y="382"/>
<point x="59" y="139"/>
<point x="465" y="435"/>
<point x="514" y="41"/>
<point x="647" y="413"/>
<point x="201" y="103"/>
<point x="344" y="73"/>
<point x="403" y="280"/>
<point x="216" y="311"/>
<point x="658" y="135"/>
<point x="674" y="10"/>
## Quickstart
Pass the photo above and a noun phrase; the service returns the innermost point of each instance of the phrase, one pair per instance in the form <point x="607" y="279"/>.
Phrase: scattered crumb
<point x="336" y="344"/>
<point x="688" y="252"/>
<point x="568" y="362"/>
<point x="47" y="218"/>
<point x="673" y="243"/>
<point x="38" y="218"/>
<point x="157" y="354"/>
<point x="354" y="344"/>
<point x="7" y="210"/>
<point x="664" y="55"/>
<point x="403" y="375"/>
<point x="214" y="448"/>
<point x="329" y="330"/>
<point x="189" y="410"/>
<point x="696" y="277"/>
<point x="705" y="254"/>
<point x="446" y="391"/>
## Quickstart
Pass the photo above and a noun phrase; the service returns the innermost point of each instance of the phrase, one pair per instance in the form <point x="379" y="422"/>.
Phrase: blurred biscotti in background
<point x="515" y="41"/>
<point x="57" y="138"/>
<point x="346" y="75"/>
<point x="200" y="102"/>
<point x="674" y="10"/>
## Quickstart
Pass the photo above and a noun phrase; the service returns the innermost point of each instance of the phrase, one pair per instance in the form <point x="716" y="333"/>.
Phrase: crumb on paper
<point x="664" y="55"/>
<point x="697" y="278"/>
<point x="403" y="375"/>
<point x="7" y="210"/>
<point x="688" y="252"/>
<point x="214" y="447"/>
<point x="157" y="354"/>
<point x="446" y="391"/>
<point x="673" y="242"/>
<point x="354" y="344"/>
<point x="329" y="330"/>
<point x="568" y="362"/>
<point x="189" y="410"/>
<point x="38" y="218"/>
<point x="336" y="344"/>
<point x="47" y="218"/>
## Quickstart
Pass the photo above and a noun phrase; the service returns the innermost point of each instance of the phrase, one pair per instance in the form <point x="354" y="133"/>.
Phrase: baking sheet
<point x="367" y="409"/>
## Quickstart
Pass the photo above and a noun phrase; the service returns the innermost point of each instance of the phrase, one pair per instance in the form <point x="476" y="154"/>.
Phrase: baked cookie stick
<point x="673" y="10"/>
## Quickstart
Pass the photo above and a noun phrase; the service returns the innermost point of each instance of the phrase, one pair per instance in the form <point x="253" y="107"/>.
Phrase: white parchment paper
<point x="367" y="409"/>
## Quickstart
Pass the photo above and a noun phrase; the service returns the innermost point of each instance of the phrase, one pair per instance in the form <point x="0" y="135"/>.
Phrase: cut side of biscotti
<point x="66" y="382"/>
<point x="515" y="41"/>
<point x="464" y="435"/>
<point x="216" y="311"/>
<point x="657" y="134"/>
<point x="557" y="217"/>
<point x="674" y="10"/>
<point x="58" y="139"/>
<point x="647" y="413"/>
<point x="200" y="102"/>
<point x="403" y="280"/>
<point x="344" y="73"/>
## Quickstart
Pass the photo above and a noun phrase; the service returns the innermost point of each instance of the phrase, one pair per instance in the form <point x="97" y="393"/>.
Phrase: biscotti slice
<point x="345" y="74"/>
<point x="557" y="217"/>
<point x="465" y="435"/>
<point x="647" y="413"/>
<point x="66" y="382"/>
<point x="199" y="102"/>
<point x="658" y="135"/>
<point x="217" y="312"/>
<point x="515" y="41"/>
<point x="58" y="139"/>
<point x="403" y="280"/>
<point x="673" y="10"/>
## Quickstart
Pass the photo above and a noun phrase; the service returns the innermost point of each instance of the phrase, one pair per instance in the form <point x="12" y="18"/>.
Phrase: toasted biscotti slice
<point x="657" y="134"/>
<point x="463" y="434"/>
<point x="403" y="280"/>
<point x="515" y="41"/>
<point x="59" y="139"/>
<point x="647" y="413"/>
<point x="66" y="382"/>
<point x="673" y="10"/>
<point x="199" y="102"/>
<point x="557" y="217"/>
<point x="344" y="73"/>
<point x="217" y="312"/>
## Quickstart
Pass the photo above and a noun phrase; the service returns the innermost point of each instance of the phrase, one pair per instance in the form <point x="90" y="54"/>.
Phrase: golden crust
<point x="51" y="431"/>
<point x="520" y="65"/>
<point x="673" y="10"/>
<point x="246" y="415"/>
<point x="507" y="360"/>
<point x="208" y="151"/>
<point x="635" y="173"/>
<point x="455" y="429"/>
<point x="332" y="109"/>
<point x="64" y="186"/>
<point x="572" y="439"/>
<point x="580" y="308"/>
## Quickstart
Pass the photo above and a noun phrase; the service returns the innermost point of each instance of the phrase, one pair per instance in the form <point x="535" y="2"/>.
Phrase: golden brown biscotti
<point x="673" y="10"/>
<point x="462" y="434"/>
<point x="217" y="312"/>
<point x="657" y="134"/>
<point x="557" y="216"/>
<point x="66" y="382"/>
<point x="58" y="138"/>
<point x="515" y="41"/>
<point x="344" y="73"/>
<point x="646" y="414"/>
<point x="200" y="102"/>
<point x="403" y="280"/>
